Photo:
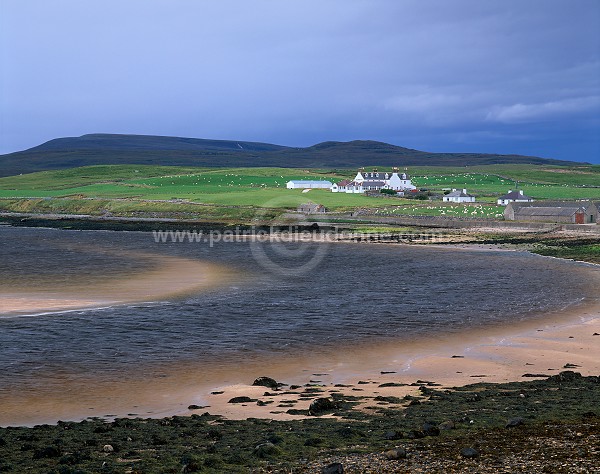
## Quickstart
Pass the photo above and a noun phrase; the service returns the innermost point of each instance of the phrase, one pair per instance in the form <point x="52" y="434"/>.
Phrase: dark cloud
<point x="510" y="76"/>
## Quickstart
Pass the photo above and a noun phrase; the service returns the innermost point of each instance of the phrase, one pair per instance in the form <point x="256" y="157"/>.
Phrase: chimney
<point x="521" y="192"/>
<point x="509" y="191"/>
<point x="464" y="191"/>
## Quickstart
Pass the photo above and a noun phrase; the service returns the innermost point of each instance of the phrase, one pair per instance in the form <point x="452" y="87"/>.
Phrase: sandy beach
<point x="545" y="347"/>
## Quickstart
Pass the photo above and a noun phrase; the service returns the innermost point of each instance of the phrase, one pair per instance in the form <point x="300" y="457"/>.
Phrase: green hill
<point x="110" y="149"/>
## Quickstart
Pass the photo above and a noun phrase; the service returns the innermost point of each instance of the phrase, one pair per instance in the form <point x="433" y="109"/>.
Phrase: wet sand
<point x="166" y="277"/>
<point x="543" y="346"/>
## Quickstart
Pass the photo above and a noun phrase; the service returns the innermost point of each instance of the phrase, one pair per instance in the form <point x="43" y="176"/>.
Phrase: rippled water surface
<point x="357" y="293"/>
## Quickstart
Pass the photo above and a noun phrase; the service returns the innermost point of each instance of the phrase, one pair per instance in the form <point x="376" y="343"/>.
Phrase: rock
<point x="335" y="468"/>
<point x="266" y="382"/>
<point x="566" y="376"/>
<point x="447" y="425"/>
<point x="294" y="387"/>
<point x="535" y="375"/>
<point x="265" y="450"/>
<point x="414" y="402"/>
<point x="395" y="454"/>
<point x="595" y="334"/>
<point x="383" y="372"/>
<point x="570" y="366"/>
<point x="392" y="384"/>
<point x="514" y="422"/>
<point x="241" y="400"/>
<point x="107" y="448"/>
<point x="415" y="434"/>
<point x="469" y="452"/>
<point x="392" y="435"/>
<point x="195" y="407"/>
<point x="457" y="357"/>
<point x="430" y="429"/>
<point x="321" y="405"/>
<point x="217" y="393"/>
<point x="48" y="452"/>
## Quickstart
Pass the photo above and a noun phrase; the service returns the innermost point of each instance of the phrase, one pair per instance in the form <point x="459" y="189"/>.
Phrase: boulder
<point x="107" y="448"/>
<point x="395" y="454"/>
<point x="265" y="450"/>
<point x="469" y="452"/>
<point x="392" y="435"/>
<point x="514" y="422"/>
<point x="321" y="405"/>
<point x="266" y="382"/>
<point x="241" y="400"/>
<point x="447" y="425"/>
<point x="335" y="468"/>
<point x="430" y="429"/>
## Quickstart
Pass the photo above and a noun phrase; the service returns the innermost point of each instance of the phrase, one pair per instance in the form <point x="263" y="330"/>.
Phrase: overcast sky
<point x="509" y="76"/>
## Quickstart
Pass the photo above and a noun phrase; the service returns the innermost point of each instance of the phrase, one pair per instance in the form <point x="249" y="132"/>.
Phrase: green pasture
<point x="127" y="189"/>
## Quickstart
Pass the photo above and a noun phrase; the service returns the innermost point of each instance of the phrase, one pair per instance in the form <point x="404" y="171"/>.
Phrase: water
<point x="357" y="294"/>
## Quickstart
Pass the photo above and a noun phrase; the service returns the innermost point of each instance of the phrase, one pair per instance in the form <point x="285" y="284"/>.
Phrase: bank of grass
<point x="205" y="443"/>
<point x="265" y="187"/>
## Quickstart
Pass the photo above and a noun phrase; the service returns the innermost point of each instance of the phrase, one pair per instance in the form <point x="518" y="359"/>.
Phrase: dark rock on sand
<point x="321" y="405"/>
<point x="570" y="366"/>
<point x="566" y="376"/>
<point x="414" y="402"/>
<point x="266" y="382"/>
<point x="335" y="468"/>
<point x="469" y="452"/>
<point x="535" y="375"/>
<point x="514" y="422"/>
<point x="395" y="454"/>
<point x="195" y="407"/>
<point x="392" y="384"/>
<point x="241" y="400"/>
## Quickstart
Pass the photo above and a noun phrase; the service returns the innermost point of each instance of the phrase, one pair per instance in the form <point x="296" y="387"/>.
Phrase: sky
<point x="510" y="76"/>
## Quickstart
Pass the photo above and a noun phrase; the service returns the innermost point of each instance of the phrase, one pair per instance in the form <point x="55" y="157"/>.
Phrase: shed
<point x="561" y="212"/>
<point x="311" y="208"/>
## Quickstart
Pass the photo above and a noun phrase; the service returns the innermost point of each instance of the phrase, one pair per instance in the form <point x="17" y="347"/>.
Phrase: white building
<point x="374" y="181"/>
<point x="458" y="196"/>
<point x="299" y="184"/>
<point x="513" y="196"/>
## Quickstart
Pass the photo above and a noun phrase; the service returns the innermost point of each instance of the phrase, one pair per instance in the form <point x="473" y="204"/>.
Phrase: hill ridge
<point x="107" y="148"/>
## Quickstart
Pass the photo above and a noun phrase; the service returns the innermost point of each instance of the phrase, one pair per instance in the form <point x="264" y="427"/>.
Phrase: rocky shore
<point x="549" y="425"/>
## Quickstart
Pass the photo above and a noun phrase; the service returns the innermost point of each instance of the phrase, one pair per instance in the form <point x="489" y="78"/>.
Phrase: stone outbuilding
<point x="560" y="212"/>
<point x="311" y="208"/>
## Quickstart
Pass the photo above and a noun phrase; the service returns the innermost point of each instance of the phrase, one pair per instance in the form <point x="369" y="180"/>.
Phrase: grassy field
<point x="208" y="192"/>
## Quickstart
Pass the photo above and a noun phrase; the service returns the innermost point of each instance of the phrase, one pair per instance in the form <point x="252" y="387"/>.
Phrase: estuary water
<point x="252" y="310"/>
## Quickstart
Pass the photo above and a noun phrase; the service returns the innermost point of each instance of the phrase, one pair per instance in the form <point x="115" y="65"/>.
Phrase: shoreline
<point x="543" y="346"/>
<point x="540" y="347"/>
<point x="492" y="354"/>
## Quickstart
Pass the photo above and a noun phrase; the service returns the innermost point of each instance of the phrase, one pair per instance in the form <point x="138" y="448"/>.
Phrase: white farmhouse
<point x="513" y="196"/>
<point x="374" y="181"/>
<point x="300" y="184"/>
<point x="458" y="196"/>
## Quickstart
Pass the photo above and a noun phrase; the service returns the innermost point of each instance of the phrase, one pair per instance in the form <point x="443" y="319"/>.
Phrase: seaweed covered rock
<point x="266" y="382"/>
<point x="321" y="405"/>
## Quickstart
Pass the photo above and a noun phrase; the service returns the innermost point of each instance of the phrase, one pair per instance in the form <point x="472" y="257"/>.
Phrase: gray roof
<point x="514" y="195"/>
<point x="372" y="182"/>
<point x="553" y="204"/>
<point x="546" y="211"/>
<point x="458" y="194"/>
